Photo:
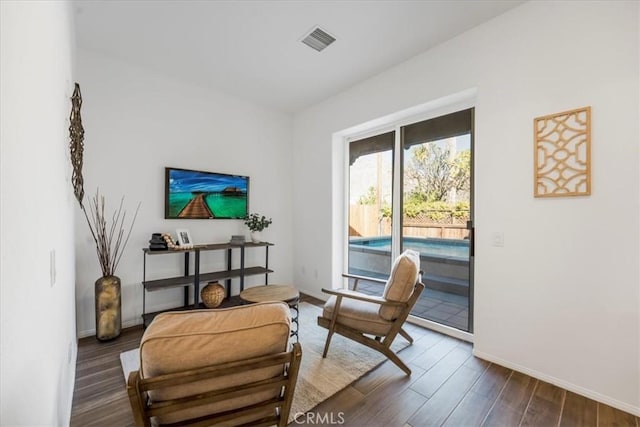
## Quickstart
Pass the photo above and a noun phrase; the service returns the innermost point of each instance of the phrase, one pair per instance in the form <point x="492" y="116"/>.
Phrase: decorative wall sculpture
<point x="562" y="165"/>
<point x="76" y="144"/>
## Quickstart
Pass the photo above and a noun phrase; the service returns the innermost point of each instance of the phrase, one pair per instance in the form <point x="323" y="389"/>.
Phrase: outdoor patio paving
<point x="442" y="307"/>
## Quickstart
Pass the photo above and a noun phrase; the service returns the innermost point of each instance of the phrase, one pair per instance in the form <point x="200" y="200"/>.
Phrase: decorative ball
<point x="212" y="294"/>
<point x="169" y="240"/>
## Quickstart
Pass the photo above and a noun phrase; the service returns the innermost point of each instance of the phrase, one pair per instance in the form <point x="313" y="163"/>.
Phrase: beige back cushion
<point x="179" y="341"/>
<point x="404" y="275"/>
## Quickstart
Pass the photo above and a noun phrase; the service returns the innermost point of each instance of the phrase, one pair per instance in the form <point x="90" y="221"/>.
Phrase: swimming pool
<point x="453" y="248"/>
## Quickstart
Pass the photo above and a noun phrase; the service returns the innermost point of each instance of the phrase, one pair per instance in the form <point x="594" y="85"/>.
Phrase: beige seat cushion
<point x="399" y="287"/>
<point x="179" y="341"/>
<point x="360" y="315"/>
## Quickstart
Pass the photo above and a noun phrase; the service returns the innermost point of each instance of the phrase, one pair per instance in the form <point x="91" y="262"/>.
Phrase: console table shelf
<point x="175" y="282"/>
<point x="188" y="280"/>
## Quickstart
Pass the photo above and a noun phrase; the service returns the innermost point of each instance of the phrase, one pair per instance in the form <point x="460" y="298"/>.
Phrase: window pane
<point x="370" y="198"/>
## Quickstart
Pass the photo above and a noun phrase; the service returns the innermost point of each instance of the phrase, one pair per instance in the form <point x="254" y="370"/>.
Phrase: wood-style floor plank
<point x="376" y="378"/>
<point x="448" y="386"/>
<point x="512" y="402"/>
<point x="397" y="411"/>
<point x="544" y="407"/>
<point x="436" y="410"/>
<point x="608" y="416"/>
<point x="100" y="397"/>
<point x="578" y="411"/>
<point x="432" y="380"/>
<point x="480" y="398"/>
<point x="377" y="401"/>
<point x="429" y="358"/>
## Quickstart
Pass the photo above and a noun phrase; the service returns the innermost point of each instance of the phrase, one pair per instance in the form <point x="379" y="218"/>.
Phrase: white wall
<point x="137" y="122"/>
<point x="560" y="300"/>
<point x="37" y="319"/>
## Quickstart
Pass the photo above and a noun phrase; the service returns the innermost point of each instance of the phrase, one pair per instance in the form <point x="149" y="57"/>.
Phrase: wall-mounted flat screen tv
<point x="191" y="194"/>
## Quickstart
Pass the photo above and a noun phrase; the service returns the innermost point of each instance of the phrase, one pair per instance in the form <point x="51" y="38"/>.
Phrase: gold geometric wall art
<point x="562" y="154"/>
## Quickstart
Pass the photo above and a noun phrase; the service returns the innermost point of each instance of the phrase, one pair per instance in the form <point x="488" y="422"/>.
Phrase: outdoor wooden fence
<point x="366" y="221"/>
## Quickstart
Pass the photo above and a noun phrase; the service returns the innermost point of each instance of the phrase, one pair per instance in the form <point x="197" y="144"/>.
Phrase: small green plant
<point x="257" y="222"/>
<point x="370" y="198"/>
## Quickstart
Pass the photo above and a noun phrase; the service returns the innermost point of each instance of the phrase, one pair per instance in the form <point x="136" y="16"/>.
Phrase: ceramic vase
<point x="255" y="236"/>
<point x="212" y="295"/>
<point x="108" y="309"/>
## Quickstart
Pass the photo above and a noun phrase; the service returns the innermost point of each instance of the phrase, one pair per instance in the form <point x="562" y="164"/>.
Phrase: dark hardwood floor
<point x="449" y="387"/>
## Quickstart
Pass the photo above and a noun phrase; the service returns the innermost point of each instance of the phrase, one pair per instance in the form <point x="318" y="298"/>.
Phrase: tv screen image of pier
<point x="194" y="194"/>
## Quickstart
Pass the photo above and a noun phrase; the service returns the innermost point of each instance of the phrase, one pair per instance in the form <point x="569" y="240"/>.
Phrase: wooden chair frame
<point x="383" y="345"/>
<point x="284" y="385"/>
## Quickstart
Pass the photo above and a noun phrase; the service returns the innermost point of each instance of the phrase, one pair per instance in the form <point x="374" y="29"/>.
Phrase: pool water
<point x="426" y="246"/>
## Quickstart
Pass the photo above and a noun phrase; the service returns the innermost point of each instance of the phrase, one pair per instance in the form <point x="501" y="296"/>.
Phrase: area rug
<point x="318" y="378"/>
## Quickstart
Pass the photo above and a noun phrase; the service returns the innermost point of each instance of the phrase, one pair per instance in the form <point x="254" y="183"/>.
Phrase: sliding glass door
<point x="433" y="214"/>
<point x="436" y="220"/>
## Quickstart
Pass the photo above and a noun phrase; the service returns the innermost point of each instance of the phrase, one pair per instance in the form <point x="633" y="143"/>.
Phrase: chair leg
<point x="395" y="359"/>
<point x="372" y="343"/>
<point x="332" y="325"/>
<point x="326" y="344"/>
<point x="406" y="336"/>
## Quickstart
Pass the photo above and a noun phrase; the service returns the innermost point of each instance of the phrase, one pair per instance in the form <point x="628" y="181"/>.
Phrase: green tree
<point x="433" y="173"/>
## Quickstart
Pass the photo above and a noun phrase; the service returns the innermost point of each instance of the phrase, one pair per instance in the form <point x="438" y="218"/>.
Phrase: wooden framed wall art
<point x="562" y="154"/>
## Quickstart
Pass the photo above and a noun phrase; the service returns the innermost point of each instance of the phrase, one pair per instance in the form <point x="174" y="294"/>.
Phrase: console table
<point x="187" y="280"/>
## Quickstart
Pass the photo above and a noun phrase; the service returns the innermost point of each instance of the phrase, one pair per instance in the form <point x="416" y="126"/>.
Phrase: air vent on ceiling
<point x="318" y="39"/>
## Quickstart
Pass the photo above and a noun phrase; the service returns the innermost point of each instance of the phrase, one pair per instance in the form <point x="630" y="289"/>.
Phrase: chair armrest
<point x="346" y="293"/>
<point x="368" y="279"/>
<point x="137" y="398"/>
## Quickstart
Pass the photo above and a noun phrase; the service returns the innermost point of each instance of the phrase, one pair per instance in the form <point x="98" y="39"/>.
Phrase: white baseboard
<point x="623" y="406"/>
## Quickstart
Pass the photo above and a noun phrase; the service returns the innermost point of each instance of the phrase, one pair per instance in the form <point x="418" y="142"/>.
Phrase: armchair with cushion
<point x="375" y="321"/>
<point x="230" y="366"/>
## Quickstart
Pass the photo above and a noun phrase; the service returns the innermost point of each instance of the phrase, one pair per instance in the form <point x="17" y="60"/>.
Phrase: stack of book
<point x="237" y="240"/>
<point x="157" y="243"/>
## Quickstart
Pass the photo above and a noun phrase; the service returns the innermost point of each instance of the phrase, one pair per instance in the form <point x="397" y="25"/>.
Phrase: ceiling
<point x="252" y="49"/>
